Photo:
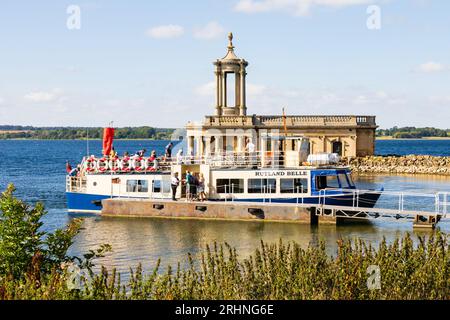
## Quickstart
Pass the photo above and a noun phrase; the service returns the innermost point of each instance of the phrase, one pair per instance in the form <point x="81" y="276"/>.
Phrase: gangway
<point x="425" y="212"/>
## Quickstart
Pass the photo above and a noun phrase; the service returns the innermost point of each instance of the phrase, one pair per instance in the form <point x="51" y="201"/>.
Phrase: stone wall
<point x="402" y="165"/>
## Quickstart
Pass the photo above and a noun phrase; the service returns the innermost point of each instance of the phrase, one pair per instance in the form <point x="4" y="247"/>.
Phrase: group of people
<point x="195" y="186"/>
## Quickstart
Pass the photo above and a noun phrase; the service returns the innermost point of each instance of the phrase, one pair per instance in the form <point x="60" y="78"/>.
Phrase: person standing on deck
<point x="250" y="148"/>
<point x="189" y="183"/>
<point x="169" y="150"/>
<point x="201" y="187"/>
<point x="174" y="185"/>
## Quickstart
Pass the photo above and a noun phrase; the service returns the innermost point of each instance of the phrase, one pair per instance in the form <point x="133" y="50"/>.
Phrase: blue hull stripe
<point x="84" y="201"/>
<point x="92" y="202"/>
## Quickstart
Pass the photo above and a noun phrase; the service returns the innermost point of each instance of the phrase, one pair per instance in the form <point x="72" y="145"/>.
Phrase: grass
<point x="273" y="271"/>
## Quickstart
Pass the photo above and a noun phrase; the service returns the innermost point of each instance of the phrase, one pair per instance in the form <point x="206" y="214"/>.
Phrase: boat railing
<point x="400" y="201"/>
<point x="232" y="159"/>
<point x="228" y="159"/>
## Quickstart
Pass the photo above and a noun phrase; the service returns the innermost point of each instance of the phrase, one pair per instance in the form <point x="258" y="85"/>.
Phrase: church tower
<point x="228" y="69"/>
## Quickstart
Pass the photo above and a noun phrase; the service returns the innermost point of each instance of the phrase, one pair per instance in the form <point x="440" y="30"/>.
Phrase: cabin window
<point x="327" y="182"/>
<point x="160" y="186"/>
<point x="343" y="180"/>
<point x="137" y="186"/>
<point x="294" y="185"/>
<point x="262" y="185"/>
<point x="230" y="185"/>
<point x="350" y="180"/>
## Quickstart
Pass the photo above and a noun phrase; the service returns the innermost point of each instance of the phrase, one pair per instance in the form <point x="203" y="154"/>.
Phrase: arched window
<point x="337" y="147"/>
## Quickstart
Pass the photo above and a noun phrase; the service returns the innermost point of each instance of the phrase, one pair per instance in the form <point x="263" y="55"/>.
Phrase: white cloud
<point x="43" y="96"/>
<point x="296" y="7"/>
<point x="207" y="89"/>
<point x="166" y="32"/>
<point x="431" y="67"/>
<point x="212" y="30"/>
<point x="2" y="101"/>
<point x="440" y="99"/>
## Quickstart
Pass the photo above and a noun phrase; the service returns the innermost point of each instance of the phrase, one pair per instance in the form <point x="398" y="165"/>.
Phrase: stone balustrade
<point x="291" y="121"/>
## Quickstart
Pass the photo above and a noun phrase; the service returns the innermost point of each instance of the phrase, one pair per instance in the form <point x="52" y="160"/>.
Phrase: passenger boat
<point x="264" y="177"/>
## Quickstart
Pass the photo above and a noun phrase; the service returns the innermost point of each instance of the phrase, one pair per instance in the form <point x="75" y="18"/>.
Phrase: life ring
<point x="90" y="165"/>
<point x="102" y="165"/>
<point x="149" y="164"/>
<point x="125" y="164"/>
<point x="114" y="165"/>
<point x="139" y="164"/>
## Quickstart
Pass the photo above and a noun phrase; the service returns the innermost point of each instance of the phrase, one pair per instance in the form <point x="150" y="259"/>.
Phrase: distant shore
<point x="409" y="139"/>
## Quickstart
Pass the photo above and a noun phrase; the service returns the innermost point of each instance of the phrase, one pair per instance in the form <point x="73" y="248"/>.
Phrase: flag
<point x="108" y="137"/>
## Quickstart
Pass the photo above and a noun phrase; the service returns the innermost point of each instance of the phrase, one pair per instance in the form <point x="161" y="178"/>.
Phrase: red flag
<point x="108" y="137"/>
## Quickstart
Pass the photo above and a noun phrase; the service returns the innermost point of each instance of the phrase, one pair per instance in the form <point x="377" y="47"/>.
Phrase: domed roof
<point x="230" y="54"/>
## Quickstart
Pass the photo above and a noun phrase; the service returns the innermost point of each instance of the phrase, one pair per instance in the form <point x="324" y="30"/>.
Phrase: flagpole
<point x="87" y="141"/>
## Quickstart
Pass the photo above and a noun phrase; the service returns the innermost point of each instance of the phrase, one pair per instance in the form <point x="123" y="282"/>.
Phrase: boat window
<point x="325" y="182"/>
<point x="161" y="186"/>
<point x="294" y="185"/>
<point x="230" y="185"/>
<point x="350" y="180"/>
<point x="157" y="186"/>
<point x="137" y="186"/>
<point x="332" y="182"/>
<point x="343" y="181"/>
<point x="262" y="185"/>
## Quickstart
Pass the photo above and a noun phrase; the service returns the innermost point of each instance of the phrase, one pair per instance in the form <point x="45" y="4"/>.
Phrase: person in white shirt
<point x="250" y="149"/>
<point x="174" y="185"/>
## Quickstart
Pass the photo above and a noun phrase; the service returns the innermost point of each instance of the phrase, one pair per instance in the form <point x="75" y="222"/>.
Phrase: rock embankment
<point x="402" y="165"/>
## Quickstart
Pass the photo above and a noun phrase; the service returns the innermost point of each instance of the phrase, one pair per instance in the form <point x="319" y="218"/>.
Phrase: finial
<point x="230" y="39"/>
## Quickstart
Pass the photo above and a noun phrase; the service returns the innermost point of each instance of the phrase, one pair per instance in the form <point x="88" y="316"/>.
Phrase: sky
<point x="87" y="63"/>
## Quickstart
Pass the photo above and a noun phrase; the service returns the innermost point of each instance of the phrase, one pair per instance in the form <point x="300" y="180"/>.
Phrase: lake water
<point x="37" y="168"/>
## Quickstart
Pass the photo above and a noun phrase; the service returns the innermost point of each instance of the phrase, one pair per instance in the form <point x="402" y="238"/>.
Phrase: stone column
<point x="242" y="107"/>
<point x="199" y="151"/>
<point x="218" y="93"/>
<point x="207" y="142"/>
<point x="218" y="145"/>
<point x="190" y="147"/>
<point x="237" y="92"/>
<point x="224" y="90"/>
<point x="241" y="144"/>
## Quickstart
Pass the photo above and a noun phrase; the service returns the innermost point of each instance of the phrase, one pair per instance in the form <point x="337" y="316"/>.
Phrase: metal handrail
<point x="440" y="205"/>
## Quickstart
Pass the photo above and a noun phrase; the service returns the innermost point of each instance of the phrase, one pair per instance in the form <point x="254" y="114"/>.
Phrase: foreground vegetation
<point x="64" y="133"/>
<point x="33" y="268"/>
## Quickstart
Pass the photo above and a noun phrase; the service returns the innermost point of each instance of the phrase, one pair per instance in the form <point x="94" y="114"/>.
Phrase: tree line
<point x="74" y="133"/>
<point x="413" y="132"/>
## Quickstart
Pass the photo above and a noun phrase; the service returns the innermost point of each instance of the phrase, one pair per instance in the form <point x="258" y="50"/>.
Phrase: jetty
<point x="314" y="214"/>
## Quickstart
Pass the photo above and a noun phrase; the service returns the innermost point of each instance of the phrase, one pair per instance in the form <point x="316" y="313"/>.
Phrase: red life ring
<point x="90" y="165"/>
<point x="125" y="165"/>
<point x="139" y="164"/>
<point x="114" y="165"/>
<point x="102" y="165"/>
